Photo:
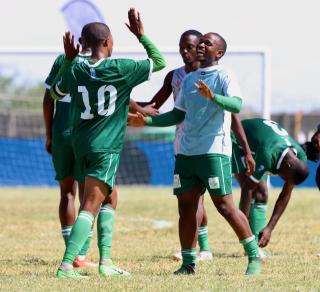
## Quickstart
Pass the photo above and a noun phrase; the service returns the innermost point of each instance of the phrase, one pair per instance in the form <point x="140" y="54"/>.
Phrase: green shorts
<point x="64" y="161"/>
<point x="100" y="165"/>
<point x="238" y="161"/>
<point x="209" y="171"/>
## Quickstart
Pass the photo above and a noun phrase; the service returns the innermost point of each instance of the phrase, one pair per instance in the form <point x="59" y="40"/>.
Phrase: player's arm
<point x="171" y="118"/>
<point x="238" y="131"/>
<point x="48" y="111"/>
<point x="280" y="206"/>
<point x="136" y="27"/>
<point x="60" y="84"/>
<point x="229" y="103"/>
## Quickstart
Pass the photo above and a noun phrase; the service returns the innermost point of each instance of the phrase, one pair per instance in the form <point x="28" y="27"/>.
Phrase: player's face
<point x="209" y="48"/>
<point x="188" y="48"/>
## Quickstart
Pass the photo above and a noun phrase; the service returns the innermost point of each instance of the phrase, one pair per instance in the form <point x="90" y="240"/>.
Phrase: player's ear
<point x="219" y="54"/>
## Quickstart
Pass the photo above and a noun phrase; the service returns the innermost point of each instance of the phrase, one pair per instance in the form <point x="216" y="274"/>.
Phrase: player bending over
<point x="203" y="160"/>
<point x="101" y="90"/>
<point x="277" y="153"/>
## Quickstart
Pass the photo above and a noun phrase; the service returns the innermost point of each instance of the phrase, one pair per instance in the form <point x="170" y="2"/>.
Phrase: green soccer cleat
<point x="111" y="270"/>
<point x="72" y="274"/>
<point x="185" y="270"/>
<point x="255" y="266"/>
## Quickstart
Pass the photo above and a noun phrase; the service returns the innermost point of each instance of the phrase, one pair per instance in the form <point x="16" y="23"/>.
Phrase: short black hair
<point x="95" y="33"/>
<point x="222" y="40"/>
<point x="194" y="32"/>
<point x="301" y="172"/>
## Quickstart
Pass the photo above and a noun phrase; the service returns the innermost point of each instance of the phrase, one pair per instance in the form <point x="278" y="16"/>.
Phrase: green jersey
<point x="269" y="144"/>
<point x="61" y="117"/>
<point x="100" y="101"/>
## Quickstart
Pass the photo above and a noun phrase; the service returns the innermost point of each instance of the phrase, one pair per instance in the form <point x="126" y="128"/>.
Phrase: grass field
<point x="144" y="240"/>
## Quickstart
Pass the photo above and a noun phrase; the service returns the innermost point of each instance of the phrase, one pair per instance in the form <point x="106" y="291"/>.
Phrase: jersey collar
<point x="211" y="68"/>
<point x="284" y="154"/>
<point x="95" y="64"/>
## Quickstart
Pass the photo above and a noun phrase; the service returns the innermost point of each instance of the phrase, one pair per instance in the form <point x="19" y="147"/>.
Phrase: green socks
<point x="78" y="236"/>
<point x="84" y="250"/>
<point x="105" y="225"/>
<point x="250" y="245"/>
<point x="189" y="256"/>
<point x="203" y="238"/>
<point x="66" y="231"/>
<point x="258" y="218"/>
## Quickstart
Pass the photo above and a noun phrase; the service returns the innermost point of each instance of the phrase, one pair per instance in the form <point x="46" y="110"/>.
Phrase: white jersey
<point x="177" y="78"/>
<point x="206" y="127"/>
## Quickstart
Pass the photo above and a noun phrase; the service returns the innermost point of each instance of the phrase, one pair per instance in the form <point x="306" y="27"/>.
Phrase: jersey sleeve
<point x="63" y="86"/>
<point x="54" y="71"/>
<point x="135" y="72"/>
<point x="230" y="85"/>
<point x="263" y="161"/>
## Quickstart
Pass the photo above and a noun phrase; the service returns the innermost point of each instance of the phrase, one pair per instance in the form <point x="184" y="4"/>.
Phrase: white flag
<point x="78" y="13"/>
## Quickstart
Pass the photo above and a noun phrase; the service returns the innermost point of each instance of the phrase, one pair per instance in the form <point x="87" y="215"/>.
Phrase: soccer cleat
<point x="111" y="270"/>
<point x="255" y="266"/>
<point x="84" y="263"/>
<point x="204" y="255"/>
<point x="72" y="274"/>
<point x="185" y="270"/>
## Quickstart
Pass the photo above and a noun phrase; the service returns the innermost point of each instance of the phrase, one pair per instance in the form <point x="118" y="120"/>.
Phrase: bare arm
<point x="148" y="110"/>
<point x="278" y="210"/>
<point x="48" y="110"/>
<point x="238" y="131"/>
<point x="162" y="95"/>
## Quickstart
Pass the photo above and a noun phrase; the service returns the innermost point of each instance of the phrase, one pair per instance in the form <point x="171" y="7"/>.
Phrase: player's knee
<point x="225" y="210"/>
<point x="261" y="194"/>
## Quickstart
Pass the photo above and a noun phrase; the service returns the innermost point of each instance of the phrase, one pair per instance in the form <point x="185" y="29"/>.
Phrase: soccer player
<point x="172" y="83"/>
<point x="205" y="102"/>
<point x="277" y="153"/>
<point x="58" y="144"/>
<point x="101" y="90"/>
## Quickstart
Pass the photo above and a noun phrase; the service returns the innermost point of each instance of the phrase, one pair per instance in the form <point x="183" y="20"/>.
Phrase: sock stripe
<point x="247" y="240"/>
<point x="86" y="217"/>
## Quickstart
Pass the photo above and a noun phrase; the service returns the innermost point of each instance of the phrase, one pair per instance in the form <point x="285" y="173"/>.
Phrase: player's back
<point x="101" y="93"/>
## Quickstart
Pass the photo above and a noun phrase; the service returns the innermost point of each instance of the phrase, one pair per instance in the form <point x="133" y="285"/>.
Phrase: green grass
<point x="31" y="245"/>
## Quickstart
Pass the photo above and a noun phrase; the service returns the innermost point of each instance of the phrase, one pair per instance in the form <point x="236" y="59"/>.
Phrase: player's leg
<point x="105" y="227"/>
<point x="63" y="165"/>
<point x="94" y="194"/>
<point x="188" y="192"/>
<point x="216" y="172"/>
<point x="188" y="229"/>
<point x="81" y="261"/>
<point x="67" y="212"/>
<point x="205" y="252"/>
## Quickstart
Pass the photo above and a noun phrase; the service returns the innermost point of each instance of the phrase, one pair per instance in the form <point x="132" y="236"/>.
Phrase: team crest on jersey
<point x="214" y="183"/>
<point x="261" y="168"/>
<point x="176" y="181"/>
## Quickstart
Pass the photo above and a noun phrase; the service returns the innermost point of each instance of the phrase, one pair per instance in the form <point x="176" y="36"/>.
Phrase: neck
<point x="190" y="67"/>
<point x="207" y="63"/>
<point x="85" y="51"/>
<point x="98" y="55"/>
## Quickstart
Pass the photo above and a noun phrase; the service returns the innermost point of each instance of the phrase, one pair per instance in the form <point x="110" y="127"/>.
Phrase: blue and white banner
<point x="78" y="13"/>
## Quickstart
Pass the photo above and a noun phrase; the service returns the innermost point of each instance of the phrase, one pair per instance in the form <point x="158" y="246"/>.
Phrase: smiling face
<point x="210" y="49"/>
<point x="188" y="48"/>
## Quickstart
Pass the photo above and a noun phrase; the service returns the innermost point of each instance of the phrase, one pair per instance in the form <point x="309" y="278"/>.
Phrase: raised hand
<point x="135" y="24"/>
<point x="204" y="89"/>
<point x="136" y="120"/>
<point x="70" y="49"/>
